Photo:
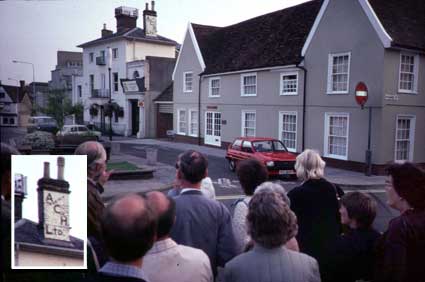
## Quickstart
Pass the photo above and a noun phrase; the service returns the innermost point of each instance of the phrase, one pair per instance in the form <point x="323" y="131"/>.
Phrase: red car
<point x="270" y="151"/>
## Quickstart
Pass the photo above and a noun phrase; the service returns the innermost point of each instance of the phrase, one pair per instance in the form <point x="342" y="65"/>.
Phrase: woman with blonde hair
<point x="315" y="202"/>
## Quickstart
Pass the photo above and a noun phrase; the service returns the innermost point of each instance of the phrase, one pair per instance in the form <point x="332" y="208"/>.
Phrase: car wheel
<point x="232" y="165"/>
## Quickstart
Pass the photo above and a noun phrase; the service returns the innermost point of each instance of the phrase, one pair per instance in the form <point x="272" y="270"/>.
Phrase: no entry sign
<point x="361" y="94"/>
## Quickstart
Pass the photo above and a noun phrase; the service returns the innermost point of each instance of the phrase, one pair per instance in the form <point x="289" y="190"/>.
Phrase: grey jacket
<point x="204" y="224"/>
<point x="272" y="265"/>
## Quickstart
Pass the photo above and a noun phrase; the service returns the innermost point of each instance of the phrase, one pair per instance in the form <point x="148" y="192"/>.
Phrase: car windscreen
<point x="269" y="146"/>
<point x="46" y="121"/>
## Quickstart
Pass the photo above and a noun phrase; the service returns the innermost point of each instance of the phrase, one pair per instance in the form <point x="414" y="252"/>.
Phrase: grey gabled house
<point x="291" y="74"/>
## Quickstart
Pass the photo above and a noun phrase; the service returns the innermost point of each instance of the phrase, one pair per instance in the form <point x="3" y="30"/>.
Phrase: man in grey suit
<point x="271" y="224"/>
<point x="201" y="222"/>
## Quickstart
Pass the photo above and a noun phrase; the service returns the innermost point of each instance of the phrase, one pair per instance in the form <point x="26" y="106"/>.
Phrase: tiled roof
<point x="403" y="20"/>
<point x="166" y="95"/>
<point x="130" y="34"/>
<point x="27" y="231"/>
<point x="13" y="91"/>
<point x="274" y="39"/>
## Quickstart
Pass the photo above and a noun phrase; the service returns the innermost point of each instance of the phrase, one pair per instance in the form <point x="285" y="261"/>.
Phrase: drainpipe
<point x="304" y="104"/>
<point x="199" y="109"/>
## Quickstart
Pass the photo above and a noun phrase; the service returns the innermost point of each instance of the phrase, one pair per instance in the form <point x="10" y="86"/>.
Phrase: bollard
<point x="151" y="156"/>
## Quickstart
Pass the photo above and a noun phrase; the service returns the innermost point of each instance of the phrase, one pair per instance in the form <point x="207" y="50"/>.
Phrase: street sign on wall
<point x="361" y="94"/>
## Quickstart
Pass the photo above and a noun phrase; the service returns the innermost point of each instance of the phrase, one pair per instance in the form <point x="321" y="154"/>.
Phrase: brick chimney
<point x="126" y="18"/>
<point x="53" y="205"/>
<point x="105" y="32"/>
<point x="149" y="20"/>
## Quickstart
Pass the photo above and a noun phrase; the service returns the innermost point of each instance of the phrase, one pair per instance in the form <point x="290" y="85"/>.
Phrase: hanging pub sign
<point x="132" y="86"/>
<point x="361" y="94"/>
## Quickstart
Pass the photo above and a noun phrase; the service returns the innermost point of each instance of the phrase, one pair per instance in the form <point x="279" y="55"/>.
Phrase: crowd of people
<point x="313" y="233"/>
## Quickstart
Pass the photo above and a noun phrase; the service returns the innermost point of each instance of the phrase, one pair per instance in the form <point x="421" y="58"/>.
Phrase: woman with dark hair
<point x="251" y="173"/>
<point x="351" y="256"/>
<point x="401" y="251"/>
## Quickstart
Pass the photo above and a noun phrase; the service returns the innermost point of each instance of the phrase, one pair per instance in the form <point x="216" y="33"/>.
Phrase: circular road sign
<point x="361" y="94"/>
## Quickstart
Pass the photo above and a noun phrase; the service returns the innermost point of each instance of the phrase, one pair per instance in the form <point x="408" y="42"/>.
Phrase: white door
<point x="213" y="128"/>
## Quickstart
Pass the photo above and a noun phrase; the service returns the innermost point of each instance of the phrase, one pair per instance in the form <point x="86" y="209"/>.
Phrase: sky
<point x="32" y="166"/>
<point x="33" y="31"/>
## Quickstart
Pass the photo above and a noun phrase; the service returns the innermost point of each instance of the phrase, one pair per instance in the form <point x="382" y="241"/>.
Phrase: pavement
<point x="164" y="174"/>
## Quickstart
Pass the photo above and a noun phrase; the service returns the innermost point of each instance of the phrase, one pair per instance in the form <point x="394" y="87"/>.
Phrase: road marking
<point x="234" y="197"/>
<point x="225" y="183"/>
<point x="366" y="190"/>
<point x="229" y="197"/>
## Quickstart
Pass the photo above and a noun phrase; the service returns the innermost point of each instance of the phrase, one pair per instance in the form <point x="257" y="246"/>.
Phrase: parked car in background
<point x="270" y="151"/>
<point x="42" y="123"/>
<point x="76" y="134"/>
<point x="70" y="136"/>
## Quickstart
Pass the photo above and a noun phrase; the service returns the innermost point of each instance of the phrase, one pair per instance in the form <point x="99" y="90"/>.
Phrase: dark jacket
<point x="401" y="250"/>
<point x="316" y="205"/>
<point x="351" y="257"/>
<point x="95" y="209"/>
<point x="204" y="224"/>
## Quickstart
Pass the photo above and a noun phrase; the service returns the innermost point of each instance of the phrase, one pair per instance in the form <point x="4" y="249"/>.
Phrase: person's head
<point x="251" y="173"/>
<point x="357" y="210"/>
<point x="128" y="228"/>
<point x="274" y="187"/>
<point x="309" y="165"/>
<point x="6" y="169"/>
<point x="405" y="186"/>
<point x="191" y="167"/>
<point x="165" y="209"/>
<point x="270" y="221"/>
<point x="96" y="158"/>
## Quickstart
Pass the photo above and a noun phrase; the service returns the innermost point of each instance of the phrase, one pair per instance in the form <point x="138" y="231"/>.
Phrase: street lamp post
<point x="33" y="73"/>
<point x="110" y="92"/>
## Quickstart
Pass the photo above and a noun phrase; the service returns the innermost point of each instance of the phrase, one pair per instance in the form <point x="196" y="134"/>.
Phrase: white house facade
<point x="115" y="65"/>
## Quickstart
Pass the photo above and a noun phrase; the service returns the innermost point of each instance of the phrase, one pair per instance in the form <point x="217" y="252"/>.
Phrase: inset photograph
<point x="49" y="229"/>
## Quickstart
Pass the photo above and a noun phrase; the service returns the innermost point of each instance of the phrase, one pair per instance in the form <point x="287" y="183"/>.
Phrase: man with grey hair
<point x="97" y="176"/>
<point x="271" y="224"/>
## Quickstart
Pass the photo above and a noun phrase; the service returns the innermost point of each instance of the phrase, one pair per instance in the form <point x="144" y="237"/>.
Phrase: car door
<point x="246" y="152"/>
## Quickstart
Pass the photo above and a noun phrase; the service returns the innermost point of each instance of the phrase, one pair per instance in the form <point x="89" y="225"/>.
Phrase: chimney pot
<point x="46" y="170"/>
<point x="147" y="6"/>
<point x="61" y="167"/>
<point x="153" y="5"/>
<point x="104" y="26"/>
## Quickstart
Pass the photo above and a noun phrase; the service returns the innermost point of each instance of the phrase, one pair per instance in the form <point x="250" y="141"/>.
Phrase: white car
<point x="77" y="129"/>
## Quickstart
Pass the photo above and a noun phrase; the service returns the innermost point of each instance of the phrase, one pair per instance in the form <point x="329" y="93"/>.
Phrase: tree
<point x="78" y="111"/>
<point x="58" y="105"/>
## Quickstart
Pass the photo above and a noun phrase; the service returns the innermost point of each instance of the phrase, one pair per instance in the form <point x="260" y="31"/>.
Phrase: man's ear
<point x="179" y="174"/>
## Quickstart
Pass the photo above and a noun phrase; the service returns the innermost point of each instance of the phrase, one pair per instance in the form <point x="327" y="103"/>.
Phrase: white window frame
<point x="281" y="93"/>
<point x="281" y="113"/>
<point x="242" y="84"/>
<point x="243" y="120"/>
<point x="178" y="121"/>
<point x="184" y="82"/>
<point x="114" y="53"/>
<point x="189" y="122"/>
<point x="210" y="95"/>
<point x="411" y="137"/>
<point x="326" y="135"/>
<point x="330" y="66"/>
<point x="415" y="74"/>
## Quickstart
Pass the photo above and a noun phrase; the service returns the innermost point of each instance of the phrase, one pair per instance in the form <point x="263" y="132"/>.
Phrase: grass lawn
<point x="122" y="166"/>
